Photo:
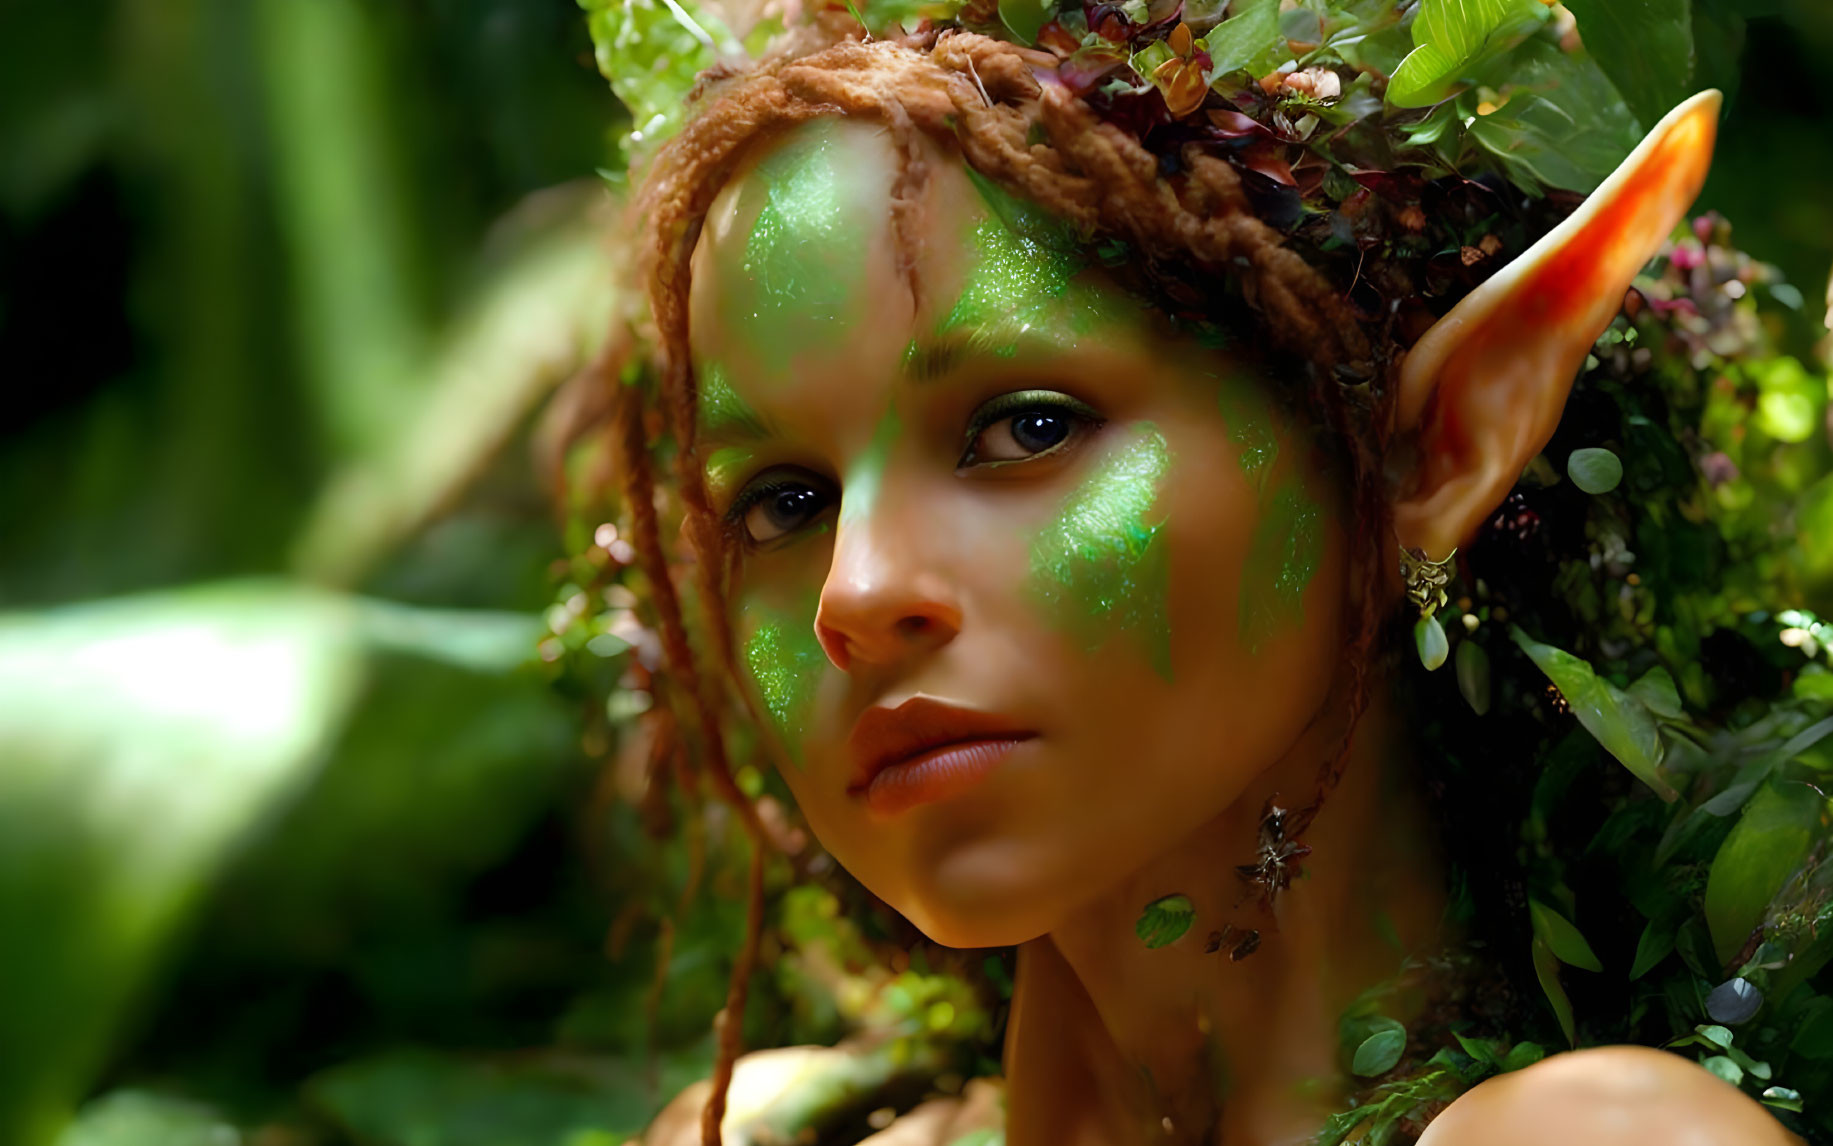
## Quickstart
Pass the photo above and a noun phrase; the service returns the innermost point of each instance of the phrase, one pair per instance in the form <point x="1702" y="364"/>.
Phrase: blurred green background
<point x="301" y="840"/>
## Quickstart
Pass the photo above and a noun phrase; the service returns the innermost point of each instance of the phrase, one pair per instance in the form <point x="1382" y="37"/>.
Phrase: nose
<point x="883" y="602"/>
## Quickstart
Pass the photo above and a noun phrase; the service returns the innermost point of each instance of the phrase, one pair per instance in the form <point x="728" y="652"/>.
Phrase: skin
<point x="1160" y="599"/>
<point x="1006" y="588"/>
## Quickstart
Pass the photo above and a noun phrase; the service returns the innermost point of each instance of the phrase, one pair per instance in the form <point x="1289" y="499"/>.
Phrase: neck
<point x="1114" y="1042"/>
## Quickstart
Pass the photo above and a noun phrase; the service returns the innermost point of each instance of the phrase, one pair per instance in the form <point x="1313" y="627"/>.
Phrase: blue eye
<point x="1020" y="426"/>
<point x="775" y="507"/>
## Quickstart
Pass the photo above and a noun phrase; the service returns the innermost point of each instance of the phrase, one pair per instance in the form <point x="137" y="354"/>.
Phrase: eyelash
<point x="1019" y="402"/>
<point x="986" y="417"/>
<point x="760" y="488"/>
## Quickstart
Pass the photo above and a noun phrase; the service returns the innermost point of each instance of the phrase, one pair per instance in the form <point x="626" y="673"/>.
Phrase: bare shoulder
<point x="1607" y="1096"/>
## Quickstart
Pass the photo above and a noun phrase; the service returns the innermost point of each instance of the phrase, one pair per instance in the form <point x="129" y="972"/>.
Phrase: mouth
<point x="925" y="750"/>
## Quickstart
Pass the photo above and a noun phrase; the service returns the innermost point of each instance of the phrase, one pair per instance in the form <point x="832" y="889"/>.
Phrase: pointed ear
<point x="1482" y="391"/>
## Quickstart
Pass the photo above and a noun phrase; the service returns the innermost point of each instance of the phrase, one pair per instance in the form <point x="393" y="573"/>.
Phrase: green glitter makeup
<point x="786" y="662"/>
<point x="1101" y="567"/>
<point x="725" y="467"/>
<point x="1283" y="557"/>
<point x="1250" y="427"/>
<point x="803" y="268"/>
<point x="1024" y="278"/>
<point x="719" y="409"/>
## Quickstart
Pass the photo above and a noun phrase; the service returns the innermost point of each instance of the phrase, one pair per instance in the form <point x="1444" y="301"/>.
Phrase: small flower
<point x="1718" y="468"/>
<point x="1320" y="84"/>
<point x="1180" y="79"/>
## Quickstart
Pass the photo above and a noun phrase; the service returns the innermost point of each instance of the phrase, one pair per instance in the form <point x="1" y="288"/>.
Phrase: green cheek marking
<point x="786" y="662"/>
<point x="1100" y="568"/>
<point x="1250" y="427"/>
<point x="859" y="490"/>
<point x="1284" y="555"/>
<point x="803" y="268"/>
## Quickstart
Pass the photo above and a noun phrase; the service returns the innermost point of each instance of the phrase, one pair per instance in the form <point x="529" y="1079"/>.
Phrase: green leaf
<point x="1450" y="37"/>
<point x="1644" y="46"/>
<point x="1782" y="1098"/>
<point x="1165" y="920"/>
<point x="1473" y="675"/>
<point x="652" y="51"/>
<point x="1483" y="1050"/>
<point x="1656" y="943"/>
<point x="1720" y="1037"/>
<point x="1432" y="128"/>
<point x="1769" y="843"/>
<point x="1558" y="933"/>
<point x="1657" y="692"/>
<point x="1380" y="1052"/>
<point x="142" y="739"/>
<point x="1023" y="18"/>
<point x="1523" y="1055"/>
<point x="145" y="1118"/>
<point x="1619" y="721"/>
<point x="1726" y="1069"/>
<point x="1594" y="470"/>
<point x="1561" y="122"/>
<point x="1429" y="638"/>
<point x="1546" y="969"/>
<point x="1239" y="41"/>
<point x="1790" y="400"/>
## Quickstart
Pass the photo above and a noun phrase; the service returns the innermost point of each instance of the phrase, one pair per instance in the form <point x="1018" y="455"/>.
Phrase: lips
<point x="925" y="750"/>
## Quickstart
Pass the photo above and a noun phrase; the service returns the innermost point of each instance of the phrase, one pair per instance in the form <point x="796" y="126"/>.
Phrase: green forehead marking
<point x="1287" y="547"/>
<point x="718" y="406"/>
<point x="1250" y="427"/>
<point x="801" y="277"/>
<point x="859" y="490"/>
<point x="1100" y="567"/>
<point x="1024" y="279"/>
<point x="785" y="663"/>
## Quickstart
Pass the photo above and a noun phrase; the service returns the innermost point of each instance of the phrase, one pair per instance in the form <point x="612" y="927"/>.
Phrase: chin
<point x="984" y="896"/>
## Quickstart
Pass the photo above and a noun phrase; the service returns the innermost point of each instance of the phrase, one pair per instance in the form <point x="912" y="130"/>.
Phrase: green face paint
<point x="859" y="490"/>
<point x="1024" y="280"/>
<point x="724" y="467"/>
<point x="1101" y="568"/>
<point x="1250" y="427"/>
<point x="802" y="273"/>
<point x="785" y="662"/>
<point x="1284" y="555"/>
<point x="718" y="407"/>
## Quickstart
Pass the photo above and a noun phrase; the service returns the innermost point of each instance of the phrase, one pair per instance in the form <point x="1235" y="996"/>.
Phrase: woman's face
<point x="1028" y="589"/>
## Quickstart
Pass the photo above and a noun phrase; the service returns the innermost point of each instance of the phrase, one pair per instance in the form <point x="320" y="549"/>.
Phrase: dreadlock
<point x="1183" y="211"/>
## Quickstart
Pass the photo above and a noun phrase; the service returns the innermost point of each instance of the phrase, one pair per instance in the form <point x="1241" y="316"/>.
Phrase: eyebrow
<point x="930" y="359"/>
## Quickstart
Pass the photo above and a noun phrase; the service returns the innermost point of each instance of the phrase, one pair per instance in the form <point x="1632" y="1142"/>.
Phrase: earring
<point x="1426" y="580"/>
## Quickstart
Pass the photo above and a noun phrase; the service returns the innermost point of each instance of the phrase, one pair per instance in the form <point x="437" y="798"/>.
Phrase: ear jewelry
<point x="1426" y="580"/>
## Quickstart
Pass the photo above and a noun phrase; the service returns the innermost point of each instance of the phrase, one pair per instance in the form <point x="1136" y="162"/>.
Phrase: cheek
<point x="1099" y="569"/>
<point x="783" y="665"/>
<point x="1280" y="565"/>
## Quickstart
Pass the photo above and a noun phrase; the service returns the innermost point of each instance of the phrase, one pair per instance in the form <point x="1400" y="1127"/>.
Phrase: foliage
<point x="1165" y="920"/>
<point x="652" y="51"/>
<point x="1452" y="39"/>
<point x="1688" y="906"/>
<point x="1506" y="91"/>
<point x="279" y="282"/>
